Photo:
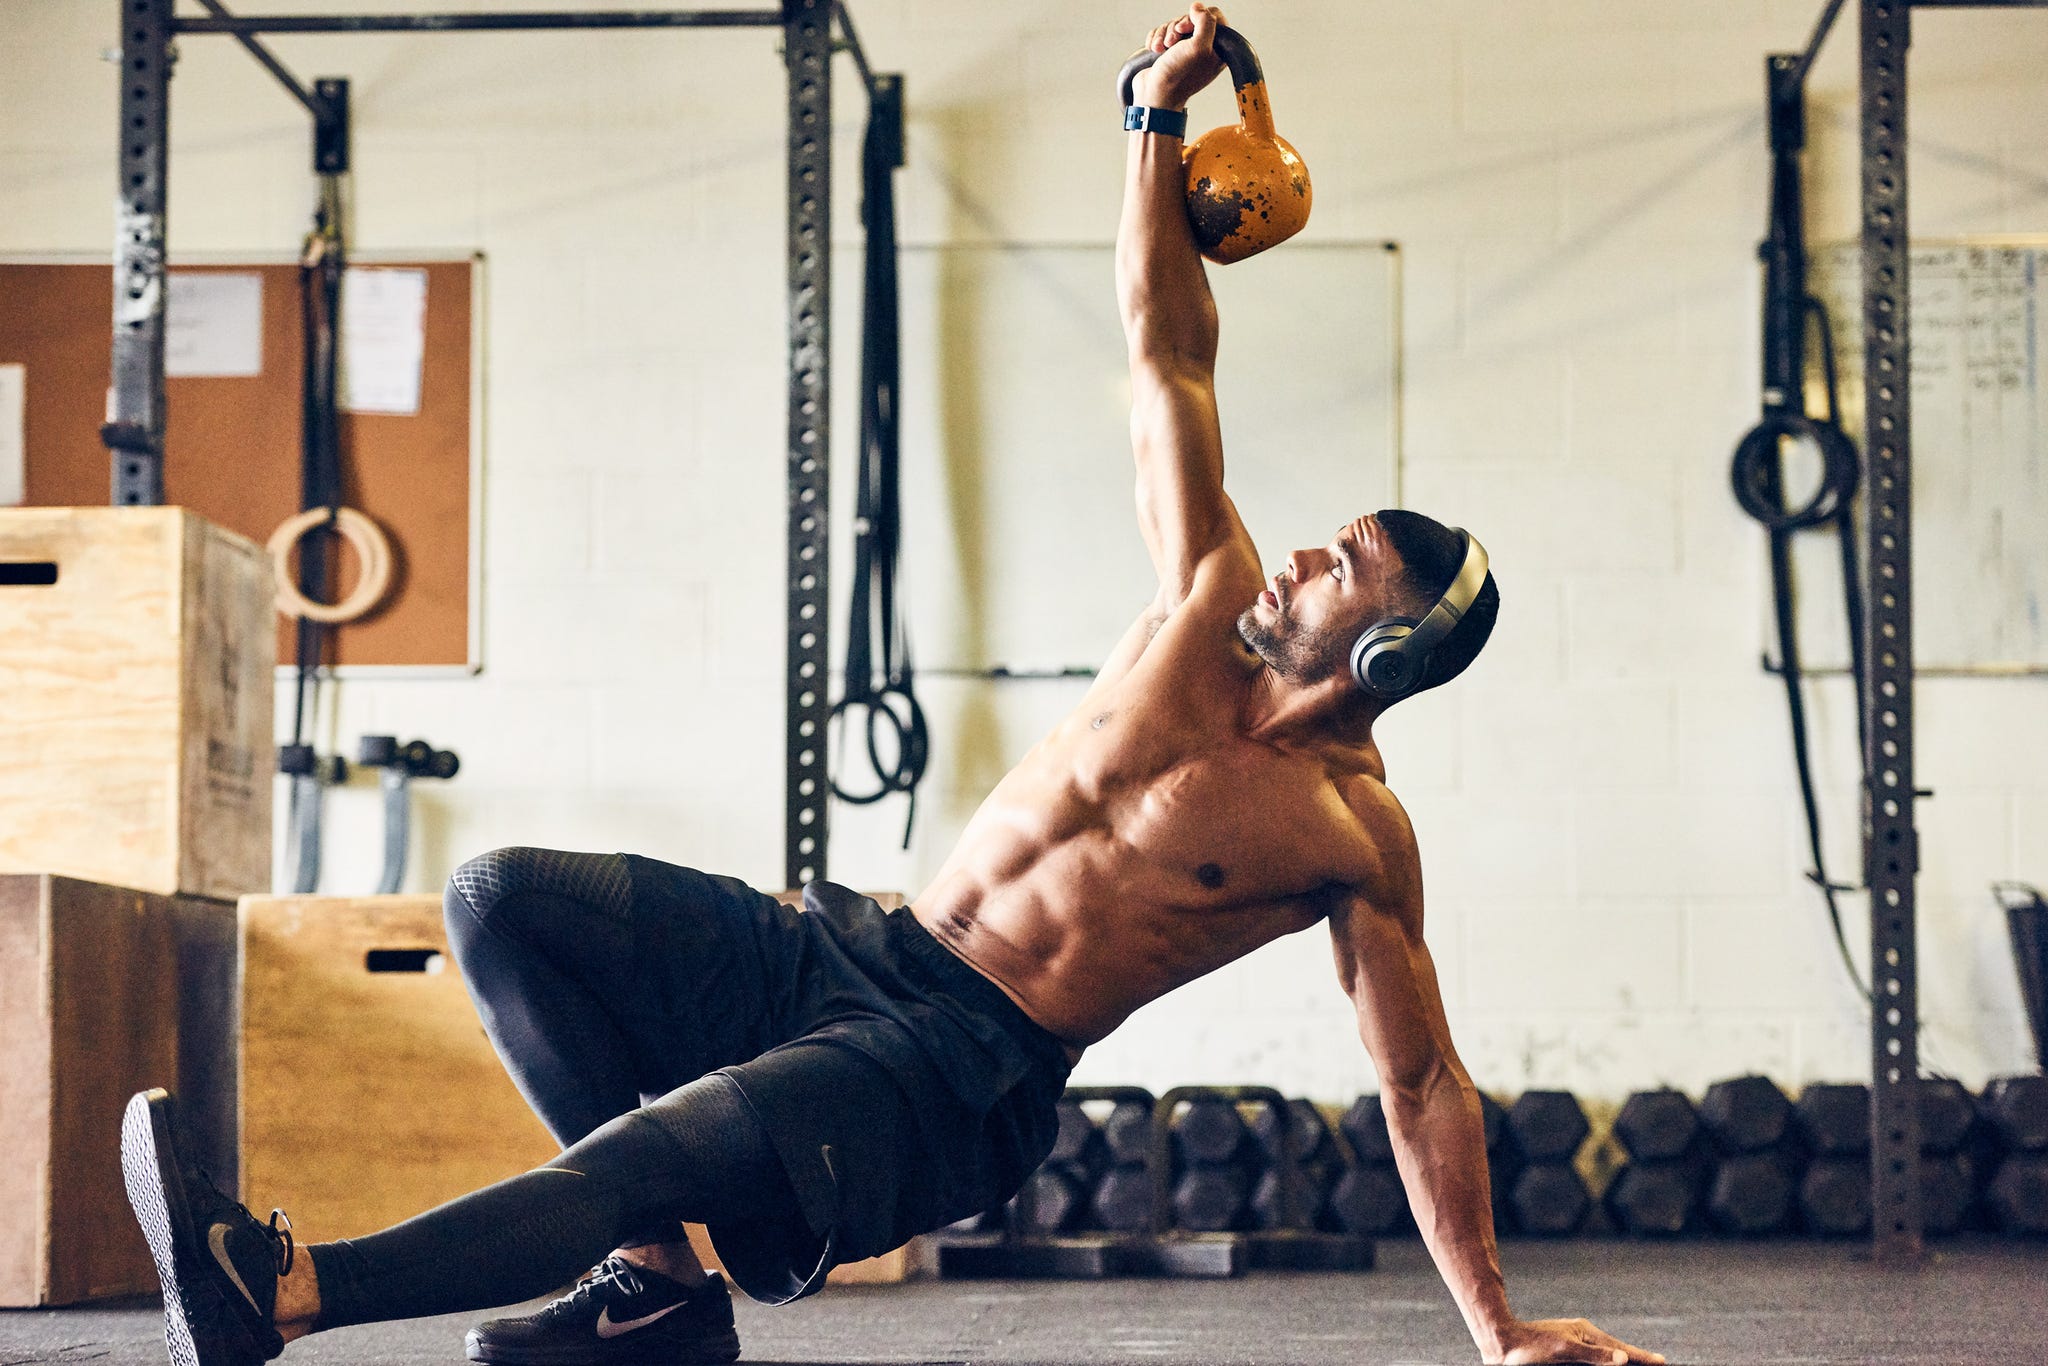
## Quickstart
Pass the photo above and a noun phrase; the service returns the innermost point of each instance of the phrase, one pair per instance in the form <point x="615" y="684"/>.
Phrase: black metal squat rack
<point x="1891" y="842"/>
<point x="134" y="433"/>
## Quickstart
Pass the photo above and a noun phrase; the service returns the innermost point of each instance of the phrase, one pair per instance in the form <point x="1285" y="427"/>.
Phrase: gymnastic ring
<point x="1840" y="470"/>
<point x="371" y="547"/>
<point x="913" y="744"/>
<point x="913" y="738"/>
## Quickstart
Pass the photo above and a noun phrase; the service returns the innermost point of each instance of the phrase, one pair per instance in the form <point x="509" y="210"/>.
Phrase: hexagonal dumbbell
<point x="1210" y="1132"/>
<point x="1311" y="1184"/>
<point x="2018" y="1195"/>
<point x="1210" y="1199"/>
<point x="1657" y="1126"/>
<point x="1656" y="1199"/>
<point x="1833" y="1120"/>
<point x="1745" y="1114"/>
<point x="1834" y="1196"/>
<point x="1947" y="1113"/>
<point x="1547" y="1126"/>
<point x="1123" y="1200"/>
<point x="2016" y="1110"/>
<point x="1370" y="1201"/>
<point x="1053" y="1199"/>
<point x="1751" y="1193"/>
<point x="1298" y="1133"/>
<point x="1364" y="1127"/>
<point x="1946" y="1191"/>
<point x="1550" y="1200"/>
<point x="1127" y="1133"/>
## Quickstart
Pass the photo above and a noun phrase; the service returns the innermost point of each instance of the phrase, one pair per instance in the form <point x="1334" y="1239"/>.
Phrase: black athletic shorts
<point x="902" y="1089"/>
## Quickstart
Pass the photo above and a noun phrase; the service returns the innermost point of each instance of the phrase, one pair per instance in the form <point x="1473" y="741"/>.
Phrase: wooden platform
<point x="135" y="739"/>
<point x="104" y="992"/>
<point x="369" y="1089"/>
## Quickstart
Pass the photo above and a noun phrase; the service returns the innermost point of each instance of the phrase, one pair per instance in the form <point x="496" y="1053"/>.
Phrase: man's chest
<point x="1228" y="819"/>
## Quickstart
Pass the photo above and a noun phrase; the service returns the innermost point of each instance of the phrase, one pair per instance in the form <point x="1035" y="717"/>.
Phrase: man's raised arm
<point x="1169" y="322"/>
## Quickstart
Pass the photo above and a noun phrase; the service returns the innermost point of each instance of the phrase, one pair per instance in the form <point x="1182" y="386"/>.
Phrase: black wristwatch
<point x="1168" y="123"/>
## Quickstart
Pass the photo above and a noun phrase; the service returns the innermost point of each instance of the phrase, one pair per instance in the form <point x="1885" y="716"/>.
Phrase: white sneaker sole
<point x="159" y="1205"/>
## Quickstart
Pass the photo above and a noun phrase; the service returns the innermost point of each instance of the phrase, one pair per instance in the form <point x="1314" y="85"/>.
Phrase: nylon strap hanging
<point x="1758" y="471"/>
<point x="885" y="696"/>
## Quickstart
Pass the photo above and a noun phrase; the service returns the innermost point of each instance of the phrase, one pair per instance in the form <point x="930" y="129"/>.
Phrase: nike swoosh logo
<point x="606" y="1328"/>
<point x="217" y="1239"/>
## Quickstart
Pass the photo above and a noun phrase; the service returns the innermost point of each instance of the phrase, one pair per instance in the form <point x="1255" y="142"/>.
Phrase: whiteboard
<point x="1980" y="485"/>
<point x="1021" y="542"/>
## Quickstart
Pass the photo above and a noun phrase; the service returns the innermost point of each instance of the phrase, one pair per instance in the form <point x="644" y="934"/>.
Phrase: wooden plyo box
<point x="103" y="992"/>
<point x="135" y="735"/>
<point x="370" y="1092"/>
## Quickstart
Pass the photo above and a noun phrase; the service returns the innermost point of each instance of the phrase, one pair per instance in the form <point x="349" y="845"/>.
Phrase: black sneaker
<point x="219" y="1265"/>
<point x="617" y="1313"/>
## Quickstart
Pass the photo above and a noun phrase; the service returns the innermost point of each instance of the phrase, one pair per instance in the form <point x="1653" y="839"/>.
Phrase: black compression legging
<point x="698" y="1155"/>
<point x="544" y="944"/>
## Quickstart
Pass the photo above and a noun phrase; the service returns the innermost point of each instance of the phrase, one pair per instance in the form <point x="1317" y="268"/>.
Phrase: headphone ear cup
<point x="1388" y="672"/>
<point x="1378" y="664"/>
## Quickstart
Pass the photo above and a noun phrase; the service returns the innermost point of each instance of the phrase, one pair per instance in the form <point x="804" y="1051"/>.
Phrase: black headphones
<point x="1389" y="657"/>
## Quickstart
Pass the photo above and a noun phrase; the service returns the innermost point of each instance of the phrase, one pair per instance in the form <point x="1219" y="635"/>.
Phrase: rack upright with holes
<point x="1891" y="843"/>
<point x="1891" y="851"/>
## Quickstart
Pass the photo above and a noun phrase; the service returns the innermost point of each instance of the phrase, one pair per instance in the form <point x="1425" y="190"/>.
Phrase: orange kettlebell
<point x="1247" y="187"/>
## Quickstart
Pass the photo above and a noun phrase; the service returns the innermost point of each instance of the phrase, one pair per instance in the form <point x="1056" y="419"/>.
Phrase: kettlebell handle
<point x="1231" y="46"/>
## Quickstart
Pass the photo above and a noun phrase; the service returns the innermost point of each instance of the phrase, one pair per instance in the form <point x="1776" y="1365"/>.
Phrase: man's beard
<point x="1301" y="656"/>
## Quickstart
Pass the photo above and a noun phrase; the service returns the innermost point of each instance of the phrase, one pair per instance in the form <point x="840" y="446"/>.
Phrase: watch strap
<point x="1171" y="123"/>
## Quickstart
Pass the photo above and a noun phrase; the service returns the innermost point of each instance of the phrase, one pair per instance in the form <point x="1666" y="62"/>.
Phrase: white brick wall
<point x="1609" y="829"/>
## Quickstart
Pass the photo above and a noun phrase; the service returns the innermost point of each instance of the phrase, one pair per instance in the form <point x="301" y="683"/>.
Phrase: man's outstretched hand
<point x="1189" y="60"/>
<point x="1567" y="1340"/>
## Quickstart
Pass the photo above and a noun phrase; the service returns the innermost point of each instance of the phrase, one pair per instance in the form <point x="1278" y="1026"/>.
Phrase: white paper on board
<point x="383" y="339"/>
<point x="13" y="434"/>
<point x="213" y="325"/>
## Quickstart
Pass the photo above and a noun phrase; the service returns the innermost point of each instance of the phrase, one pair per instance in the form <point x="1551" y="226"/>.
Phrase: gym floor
<point x="1976" y="1302"/>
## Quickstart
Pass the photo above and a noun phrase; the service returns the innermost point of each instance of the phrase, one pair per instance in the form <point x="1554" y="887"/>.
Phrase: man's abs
<point x="1084" y="906"/>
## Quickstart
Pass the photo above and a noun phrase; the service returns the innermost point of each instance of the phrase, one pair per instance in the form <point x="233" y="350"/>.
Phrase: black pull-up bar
<point x="244" y="28"/>
<point x="471" y="23"/>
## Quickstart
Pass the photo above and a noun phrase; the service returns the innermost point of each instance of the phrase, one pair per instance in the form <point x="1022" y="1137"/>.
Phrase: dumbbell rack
<point x="1161" y="1249"/>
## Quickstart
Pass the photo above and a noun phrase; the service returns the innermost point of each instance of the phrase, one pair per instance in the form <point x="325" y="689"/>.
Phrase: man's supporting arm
<point x="1431" y="1106"/>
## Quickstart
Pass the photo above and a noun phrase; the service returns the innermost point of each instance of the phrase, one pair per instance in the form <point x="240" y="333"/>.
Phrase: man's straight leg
<point x="236" y="1291"/>
<point x="697" y="1155"/>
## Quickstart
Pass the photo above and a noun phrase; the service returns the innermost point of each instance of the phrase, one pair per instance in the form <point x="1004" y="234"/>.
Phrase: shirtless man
<point x="820" y="1086"/>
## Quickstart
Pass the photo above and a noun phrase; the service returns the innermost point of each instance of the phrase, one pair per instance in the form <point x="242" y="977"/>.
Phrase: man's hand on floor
<point x="1567" y="1340"/>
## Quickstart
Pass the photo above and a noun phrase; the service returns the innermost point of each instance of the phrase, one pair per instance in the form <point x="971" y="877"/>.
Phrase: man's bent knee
<point x="600" y="882"/>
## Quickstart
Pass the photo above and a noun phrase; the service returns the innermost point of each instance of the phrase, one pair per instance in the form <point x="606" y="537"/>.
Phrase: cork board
<point x="232" y="443"/>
